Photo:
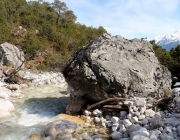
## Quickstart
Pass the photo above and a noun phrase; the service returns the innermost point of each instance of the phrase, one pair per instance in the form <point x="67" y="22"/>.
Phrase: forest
<point x="169" y="59"/>
<point x="49" y="34"/>
<point x="46" y="32"/>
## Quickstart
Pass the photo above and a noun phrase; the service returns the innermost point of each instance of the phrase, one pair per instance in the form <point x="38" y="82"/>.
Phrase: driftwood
<point x="108" y="100"/>
<point x="115" y="107"/>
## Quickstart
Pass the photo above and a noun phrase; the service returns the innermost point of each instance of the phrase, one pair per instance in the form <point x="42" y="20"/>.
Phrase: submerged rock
<point x="117" y="67"/>
<point x="60" y="128"/>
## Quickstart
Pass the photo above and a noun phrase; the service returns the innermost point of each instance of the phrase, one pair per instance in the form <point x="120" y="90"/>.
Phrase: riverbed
<point x="39" y="106"/>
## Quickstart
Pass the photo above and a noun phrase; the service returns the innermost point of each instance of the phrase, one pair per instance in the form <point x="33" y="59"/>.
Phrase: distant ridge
<point x="167" y="41"/>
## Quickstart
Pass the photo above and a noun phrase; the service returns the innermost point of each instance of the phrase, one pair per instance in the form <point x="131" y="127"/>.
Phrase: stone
<point x="141" y="117"/>
<point x="164" y="136"/>
<point x="144" y="121"/>
<point x="167" y="129"/>
<point x="125" y="135"/>
<point x="132" y="128"/>
<point x="137" y="113"/>
<point x="123" y="113"/>
<point x="97" y="112"/>
<point x="139" y="137"/>
<point x="97" y="120"/>
<point x="35" y="136"/>
<point x="87" y="113"/>
<point x="96" y="137"/>
<point x="122" y="128"/>
<point x="6" y="107"/>
<point x="116" y="135"/>
<point x="11" y="55"/>
<point x="113" y="67"/>
<point x="114" y="119"/>
<point x="13" y="87"/>
<point x="126" y="123"/>
<point x="142" y="110"/>
<point x="115" y="127"/>
<point x="60" y="127"/>
<point x="134" y="119"/>
<point x="155" y="133"/>
<point x="140" y="132"/>
<point x="140" y="102"/>
<point x="128" y="103"/>
<point x="149" y="113"/>
<point x="4" y="94"/>
<point x="157" y="122"/>
<point x="178" y="130"/>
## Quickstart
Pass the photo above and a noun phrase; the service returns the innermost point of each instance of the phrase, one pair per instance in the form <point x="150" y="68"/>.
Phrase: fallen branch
<point x="115" y="107"/>
<point x="108" y="100"/>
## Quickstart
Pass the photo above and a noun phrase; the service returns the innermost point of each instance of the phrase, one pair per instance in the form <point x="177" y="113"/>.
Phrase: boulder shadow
<point x="46" y="107"/>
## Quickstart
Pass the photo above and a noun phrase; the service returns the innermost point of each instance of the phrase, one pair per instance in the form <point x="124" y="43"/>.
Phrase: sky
<point x="128" y="18"/>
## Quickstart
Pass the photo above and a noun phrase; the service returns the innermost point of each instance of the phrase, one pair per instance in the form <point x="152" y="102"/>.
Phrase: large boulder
<point x="10" y="55"/>
<point x="117" y="67"/>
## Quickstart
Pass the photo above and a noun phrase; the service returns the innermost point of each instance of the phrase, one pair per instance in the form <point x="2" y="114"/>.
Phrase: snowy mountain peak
<point x="167" y="41"/>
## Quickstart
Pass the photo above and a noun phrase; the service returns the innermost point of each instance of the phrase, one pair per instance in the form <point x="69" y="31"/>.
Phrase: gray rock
<point x="59" y="128"/>
<point x="155" y="133"/>
<point x="96" y="137"/>
<point x="157" y="122"/>
<point x="141" y="117"/>
<point x="97" y="112"/>
<point x="142" y="110"/>
<point x="164" y="136"/>
<point x="132" y="128"/>
<point x="122" y="128"/>
<point x="10" y="55"/>
<point x="139" y="137"/>
<point x="115" y="127"/>
<point x="114" y="119"/>
<point x="149" y="113"/>
<point x="125" y="135"/>
<point x="141" y="131"/>
<point x="97" y="120"/>
<point x="144" y="121"/>
<point x="178" y="130"/>
<point x="126" y="122"/>
<point x="140" y="102"/>
<point x="113" y="67"/>
<point x="85" y="136"/>
<point x="123" y="113"/>
<point x="116" y="135"/>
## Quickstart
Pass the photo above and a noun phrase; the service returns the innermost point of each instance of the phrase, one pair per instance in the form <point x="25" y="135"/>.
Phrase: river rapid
<point x="39" y="106"/>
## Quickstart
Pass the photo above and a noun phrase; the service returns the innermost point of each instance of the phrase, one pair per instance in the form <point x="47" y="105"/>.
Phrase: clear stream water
<point x="39" y="106"/>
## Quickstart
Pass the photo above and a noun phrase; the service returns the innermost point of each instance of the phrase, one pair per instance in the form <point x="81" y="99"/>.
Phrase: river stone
<point x="35" y="136"/>
<point x="11" y="55"/>
<point x="5" y="108"/>
<point x="112" y="66"/>
<point x="157" y="122"/>
<point x="60" y="127"/>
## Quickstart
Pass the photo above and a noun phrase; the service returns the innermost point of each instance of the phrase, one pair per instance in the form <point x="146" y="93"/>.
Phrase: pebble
<point x="127" y="122"/>
<point x="114" y="120"/>
<point x="149" y="113"/>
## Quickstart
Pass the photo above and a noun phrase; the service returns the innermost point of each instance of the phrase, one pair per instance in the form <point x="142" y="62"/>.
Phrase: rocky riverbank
<point x="30" y="79"/>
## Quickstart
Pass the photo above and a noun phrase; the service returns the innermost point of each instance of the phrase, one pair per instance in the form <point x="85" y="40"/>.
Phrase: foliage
<point x="49" y="27"/>
<point x="169" y="59"/>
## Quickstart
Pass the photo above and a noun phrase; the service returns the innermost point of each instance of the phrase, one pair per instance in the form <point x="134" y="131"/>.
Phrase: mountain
<point x="167" y="41"/>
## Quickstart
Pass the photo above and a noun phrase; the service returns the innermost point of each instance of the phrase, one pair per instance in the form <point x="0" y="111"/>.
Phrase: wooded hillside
<point x="47" y="32"/>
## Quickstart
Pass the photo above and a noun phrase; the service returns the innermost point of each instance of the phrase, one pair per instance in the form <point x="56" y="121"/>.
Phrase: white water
<point x="39" y="106"/>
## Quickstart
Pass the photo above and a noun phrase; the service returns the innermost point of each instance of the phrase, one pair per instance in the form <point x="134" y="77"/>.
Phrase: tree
<point x="60" y="8"/>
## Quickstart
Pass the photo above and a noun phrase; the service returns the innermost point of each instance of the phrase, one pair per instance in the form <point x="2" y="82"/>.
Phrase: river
<point x="39" y="106"/>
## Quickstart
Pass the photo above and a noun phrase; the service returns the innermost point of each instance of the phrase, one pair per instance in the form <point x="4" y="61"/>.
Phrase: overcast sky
<point x="128" y="18"/>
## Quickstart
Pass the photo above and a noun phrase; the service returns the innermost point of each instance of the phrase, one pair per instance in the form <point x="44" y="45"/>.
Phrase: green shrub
<point x="42" y="67"/>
